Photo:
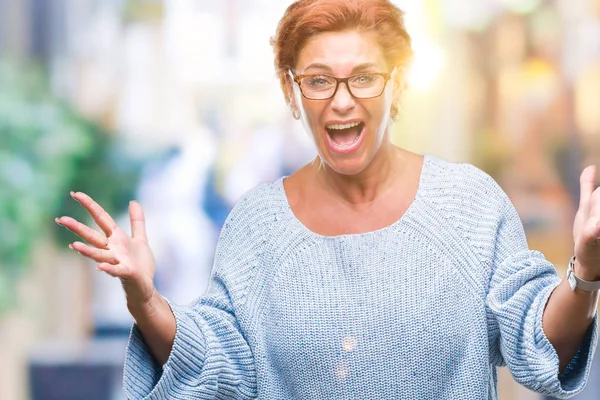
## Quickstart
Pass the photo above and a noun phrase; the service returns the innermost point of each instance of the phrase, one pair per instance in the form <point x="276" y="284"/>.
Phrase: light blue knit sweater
<point x="426" y="308"/>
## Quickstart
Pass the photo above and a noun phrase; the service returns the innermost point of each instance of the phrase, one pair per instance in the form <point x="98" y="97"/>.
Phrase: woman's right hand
<point x="119" y="255"/>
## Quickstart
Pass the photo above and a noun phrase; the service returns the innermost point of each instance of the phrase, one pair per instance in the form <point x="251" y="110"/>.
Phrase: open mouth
<point x="344" y="136"/>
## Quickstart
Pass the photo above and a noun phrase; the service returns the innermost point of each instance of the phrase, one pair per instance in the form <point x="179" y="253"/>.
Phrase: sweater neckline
<point x="380" y="231"/>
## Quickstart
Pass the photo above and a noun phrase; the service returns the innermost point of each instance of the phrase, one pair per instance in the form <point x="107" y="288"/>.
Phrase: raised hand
<point x="586" y="229"/>
<point x="127" y="258"/>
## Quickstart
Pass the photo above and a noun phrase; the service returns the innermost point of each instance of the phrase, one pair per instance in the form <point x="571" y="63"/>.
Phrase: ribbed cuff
<point x="575" y="375"/>
<point x="143" y="377"/>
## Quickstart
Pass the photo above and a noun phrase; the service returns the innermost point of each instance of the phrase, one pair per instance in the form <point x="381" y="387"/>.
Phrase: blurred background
<point x="175" y="103"/>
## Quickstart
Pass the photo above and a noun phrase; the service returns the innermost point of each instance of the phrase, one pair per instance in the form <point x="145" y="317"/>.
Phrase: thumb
<point x="138" y="221"/>
<point x="592" y="231"/>
<point x="588" y="176"/>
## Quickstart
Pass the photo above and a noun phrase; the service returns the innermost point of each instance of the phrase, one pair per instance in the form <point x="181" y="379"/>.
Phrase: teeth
<point x="342" y="126"/>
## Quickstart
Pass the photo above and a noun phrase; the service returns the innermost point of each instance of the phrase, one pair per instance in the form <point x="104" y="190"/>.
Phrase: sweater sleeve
<point x="211" y="357"/>
<point x="521" y="283"/>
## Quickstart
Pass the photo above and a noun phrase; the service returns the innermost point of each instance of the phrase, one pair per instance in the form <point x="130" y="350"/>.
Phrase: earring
<point x="394" y="112"/>
<point x="296" y="113"/>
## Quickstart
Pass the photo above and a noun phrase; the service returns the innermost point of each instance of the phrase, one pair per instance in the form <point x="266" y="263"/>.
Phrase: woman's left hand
<point x="586" y="230"/>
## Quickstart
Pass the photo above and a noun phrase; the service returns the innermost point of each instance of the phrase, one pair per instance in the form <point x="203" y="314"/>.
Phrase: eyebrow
<point x="358" y="68"/>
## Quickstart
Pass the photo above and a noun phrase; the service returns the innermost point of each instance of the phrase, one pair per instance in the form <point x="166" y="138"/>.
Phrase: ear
<point x="398" y="78"/>
<point x="399" y="84"/>
<point x="289" y="91"/>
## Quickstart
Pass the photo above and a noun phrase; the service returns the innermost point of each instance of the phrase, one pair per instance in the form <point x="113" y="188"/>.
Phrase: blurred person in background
<point x="371" y="272"/>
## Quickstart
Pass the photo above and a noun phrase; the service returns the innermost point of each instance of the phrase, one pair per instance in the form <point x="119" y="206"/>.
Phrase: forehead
<point x="340" y="52"/>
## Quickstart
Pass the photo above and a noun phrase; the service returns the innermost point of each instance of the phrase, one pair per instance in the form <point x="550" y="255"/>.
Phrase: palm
<point x="135" y="257"/>
<point x="140" y="260"/>
<point x="586" y="228"/>
<point x="127" y="257"/>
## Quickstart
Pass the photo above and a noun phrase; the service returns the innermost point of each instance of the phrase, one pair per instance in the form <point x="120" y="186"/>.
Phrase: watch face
<point x="571" y="278"/>
<point x="575" y="282"/>
<point x="572" y="282"/>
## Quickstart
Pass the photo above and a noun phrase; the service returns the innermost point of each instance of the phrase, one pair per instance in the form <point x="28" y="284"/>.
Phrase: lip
<point x="345" y="150"/>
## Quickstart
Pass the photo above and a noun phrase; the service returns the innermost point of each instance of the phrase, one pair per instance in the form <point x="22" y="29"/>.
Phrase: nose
<point x="343" y="101"/>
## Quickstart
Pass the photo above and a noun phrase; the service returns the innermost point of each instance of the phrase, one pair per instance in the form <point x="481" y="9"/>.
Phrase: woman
<point x="372" y="273"/>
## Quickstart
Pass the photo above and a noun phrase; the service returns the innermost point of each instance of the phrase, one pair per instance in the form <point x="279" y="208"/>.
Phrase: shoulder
<point x="246" y="232"/>
<point x="465" y="199"/>
<point x="469" y="201"/>
<point x="255" y="212"/>
<point x="462" y="185"/>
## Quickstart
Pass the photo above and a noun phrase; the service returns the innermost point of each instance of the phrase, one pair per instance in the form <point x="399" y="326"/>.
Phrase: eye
<point x="318" y="81"/>
<point x="364" y="79"/>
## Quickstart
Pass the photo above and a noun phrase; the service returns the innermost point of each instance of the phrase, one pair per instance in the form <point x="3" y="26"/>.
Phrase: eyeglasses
<point x="324" y="87"/>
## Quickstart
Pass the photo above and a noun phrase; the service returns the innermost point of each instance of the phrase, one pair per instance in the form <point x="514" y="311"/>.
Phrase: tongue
<point x="344" y="137"/>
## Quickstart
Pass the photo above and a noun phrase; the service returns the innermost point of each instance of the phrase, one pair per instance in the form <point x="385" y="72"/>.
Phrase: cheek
<point x="313" y="112"/>
<point x="376" y="110"/>
<point x="311" y="116"/>
<point x="309" y="110"/>
<point x="379" y="110"/>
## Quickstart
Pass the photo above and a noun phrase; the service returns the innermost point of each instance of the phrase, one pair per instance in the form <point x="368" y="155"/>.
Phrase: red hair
<point x="307" y="18"/>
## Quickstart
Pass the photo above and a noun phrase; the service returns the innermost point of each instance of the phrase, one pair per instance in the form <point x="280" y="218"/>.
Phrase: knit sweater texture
<point x="426" y="308"/>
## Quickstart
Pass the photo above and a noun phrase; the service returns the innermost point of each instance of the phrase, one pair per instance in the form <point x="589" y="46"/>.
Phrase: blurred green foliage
<point x="47" y="150"/>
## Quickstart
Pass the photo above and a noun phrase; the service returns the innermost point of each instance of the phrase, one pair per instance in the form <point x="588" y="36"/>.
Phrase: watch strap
<point x="575" y="282"/>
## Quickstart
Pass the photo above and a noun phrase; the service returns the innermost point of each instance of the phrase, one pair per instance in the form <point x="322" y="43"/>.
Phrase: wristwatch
<point x="575" y="282"/>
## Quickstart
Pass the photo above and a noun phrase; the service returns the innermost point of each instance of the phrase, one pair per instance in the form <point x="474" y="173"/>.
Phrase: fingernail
<point x="71" y="247"/>
<point x="57" y="221"/>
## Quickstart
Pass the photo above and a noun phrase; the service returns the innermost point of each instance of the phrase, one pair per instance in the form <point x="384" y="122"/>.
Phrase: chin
<point x="353" y="165"/>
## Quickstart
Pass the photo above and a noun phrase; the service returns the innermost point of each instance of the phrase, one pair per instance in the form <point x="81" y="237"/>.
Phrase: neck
<point x="364" y="187"/>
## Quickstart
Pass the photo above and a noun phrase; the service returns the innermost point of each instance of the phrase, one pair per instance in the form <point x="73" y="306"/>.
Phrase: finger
<point x="112" y="270"/>
<point x="138" y="221"/>
<point x="586" y="181"/>
<point x="594" y="205"/>
<point x="98" y="255"/>
<point x="102" y="218"/>
<point x="591" y="232"/>
<point x="595" y="230"/>
<point x="88" y="234"/>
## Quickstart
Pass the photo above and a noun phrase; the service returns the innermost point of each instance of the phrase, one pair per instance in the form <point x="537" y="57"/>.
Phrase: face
<point x="348" y="132"/>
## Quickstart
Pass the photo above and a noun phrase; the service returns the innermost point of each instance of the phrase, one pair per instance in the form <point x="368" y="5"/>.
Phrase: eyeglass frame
<point x="298" y="78"/>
